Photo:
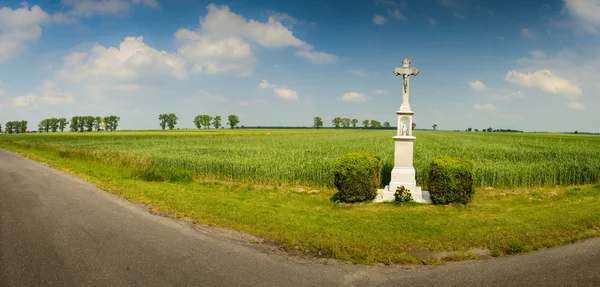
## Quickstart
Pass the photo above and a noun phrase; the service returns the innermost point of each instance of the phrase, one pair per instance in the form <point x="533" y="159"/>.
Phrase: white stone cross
<point x="405" y="71"/>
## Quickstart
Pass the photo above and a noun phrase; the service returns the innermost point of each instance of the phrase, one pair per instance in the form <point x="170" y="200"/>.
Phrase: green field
<point x="304" y="157"/>
<point x="279" y="187"/>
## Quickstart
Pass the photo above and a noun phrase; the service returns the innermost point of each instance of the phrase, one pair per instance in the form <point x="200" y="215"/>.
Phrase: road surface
<point x="59" y="230"/>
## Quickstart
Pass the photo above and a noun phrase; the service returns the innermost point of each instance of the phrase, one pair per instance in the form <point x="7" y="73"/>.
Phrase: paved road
<point x="58" y="230"/>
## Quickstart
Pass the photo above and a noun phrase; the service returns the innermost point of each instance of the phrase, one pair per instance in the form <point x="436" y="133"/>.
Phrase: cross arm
<point x="406" y="71"/>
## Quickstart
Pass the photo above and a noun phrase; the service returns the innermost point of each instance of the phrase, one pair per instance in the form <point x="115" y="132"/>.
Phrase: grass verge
<point x="306" y="221"/>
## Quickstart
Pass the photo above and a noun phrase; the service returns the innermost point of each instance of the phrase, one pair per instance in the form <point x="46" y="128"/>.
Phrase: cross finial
<point x="405" y="63"/>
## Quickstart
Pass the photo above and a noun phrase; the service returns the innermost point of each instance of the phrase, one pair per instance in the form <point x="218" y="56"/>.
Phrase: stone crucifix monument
<point x="403" y="173"/>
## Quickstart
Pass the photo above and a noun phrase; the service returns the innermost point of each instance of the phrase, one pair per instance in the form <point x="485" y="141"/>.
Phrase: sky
<point x="531" y="65"/>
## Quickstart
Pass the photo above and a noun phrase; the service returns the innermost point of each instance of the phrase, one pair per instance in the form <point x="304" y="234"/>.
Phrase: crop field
<point x="304" y="157"/>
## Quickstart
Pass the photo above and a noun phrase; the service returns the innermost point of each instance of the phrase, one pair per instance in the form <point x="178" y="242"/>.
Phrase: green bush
<point x="357" y="176"/>
<point x="451" y="180"/>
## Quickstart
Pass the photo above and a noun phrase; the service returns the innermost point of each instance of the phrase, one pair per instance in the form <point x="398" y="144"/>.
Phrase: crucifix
<point x="405" y="71"/>
<point x="403" y="174"/>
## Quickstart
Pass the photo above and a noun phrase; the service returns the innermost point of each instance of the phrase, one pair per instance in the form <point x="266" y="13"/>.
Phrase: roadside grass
<point x="304" y="221"/>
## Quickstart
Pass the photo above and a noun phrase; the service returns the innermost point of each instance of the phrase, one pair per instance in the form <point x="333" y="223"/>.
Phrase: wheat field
<point x="304" y="157"/>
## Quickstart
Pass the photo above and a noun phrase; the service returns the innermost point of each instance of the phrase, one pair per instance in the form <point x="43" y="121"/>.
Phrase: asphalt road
<point x="59" y="230"/>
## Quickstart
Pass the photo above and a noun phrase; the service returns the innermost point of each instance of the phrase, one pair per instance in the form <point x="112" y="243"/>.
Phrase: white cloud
<point x="353" y="97"/>
<point x="286" y="93"/>
<point x="317" y="57"/>
<point x="459" y="16"/>
<point x="477" y="85"/>
<point x="221" y="22"/>
<point x="378" y="19"/>
<point x="526" y="33"/>
<point x="18" y="28"/>
<point x="132" y="60"/>
<point x="397" y="15"/>
<point x="536" y="54"/>
<point x="575" y="105"/>
<point x="488" y="107"/>
<point x="380" y="92"/>
<point x="264" y="84"/>
<point x="24" y="101"/>
<point x="88" y="8"/>
<point x="431" y="21"/>
<point x="220" y="44"/>
<point x="211" y="56"/>
<point x="55" y="98"/>
<point x="585" y="13"/>
<point x="358" y="73"/>
<point x="545" y="81"/>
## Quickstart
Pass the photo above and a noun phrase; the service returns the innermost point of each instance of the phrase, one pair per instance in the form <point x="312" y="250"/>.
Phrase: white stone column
<point x="403" y="173"/>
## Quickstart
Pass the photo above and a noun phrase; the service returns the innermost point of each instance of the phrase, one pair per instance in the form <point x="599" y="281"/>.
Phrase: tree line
<point x="15" y="127"/>
<point x="79" y="124"/>
<point x="489" y="130"/>
<point x="339" y="122"/>
<point x="206" y="121"/>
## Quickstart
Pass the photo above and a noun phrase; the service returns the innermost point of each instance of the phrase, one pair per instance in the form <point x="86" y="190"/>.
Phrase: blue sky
<point x="528" y="65"/>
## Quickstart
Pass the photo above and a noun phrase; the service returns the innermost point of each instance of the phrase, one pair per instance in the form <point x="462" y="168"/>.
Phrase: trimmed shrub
<point x="451" y="180"/>
<point x="357" y="176"/>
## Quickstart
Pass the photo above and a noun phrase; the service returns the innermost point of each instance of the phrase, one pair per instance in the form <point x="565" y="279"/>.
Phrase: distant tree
<point x="317" y="122"/>
<point x="489" y="130"/>
<point x="336" y="122"/>
<point x="197" y="121"/>
<point x="0" y="128"/>
<point x="375" y="124"/>
<point x="206" y="119"/>
<point x="469" y="129"/>
<point x="111" y="123"/>
<point x="82" y="123"/>
<point x="172" y="121"/>
<point x="62" y="123"/>
<point x="386" y="124"/>
<point x="168" y="120"/>
<point x="22" y="127"/>
<point x="216" y="122"/>
<point x="89" y="123"/>
<point x="163" y="118"/>
<point x="576" y="132"/>
<point x="74" y="123"/>
<point x="365" y="124"/>
<point x="345" y="122"/>
<point x="9" y="127"/>
<point x="414" y="125"/>
<point x="476" y="130"/>
<point x="434" y="127"/>
<point x="97" y="123"/>
<point x="354" y="122"/>
<point x="44" y="125"/>
<point x="233" y="121"/>
<point x="202" y="120"/>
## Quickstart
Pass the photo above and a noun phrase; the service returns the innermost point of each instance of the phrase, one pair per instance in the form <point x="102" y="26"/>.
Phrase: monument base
<point x="387" y="194"/>
<point x="403" y="177"/>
